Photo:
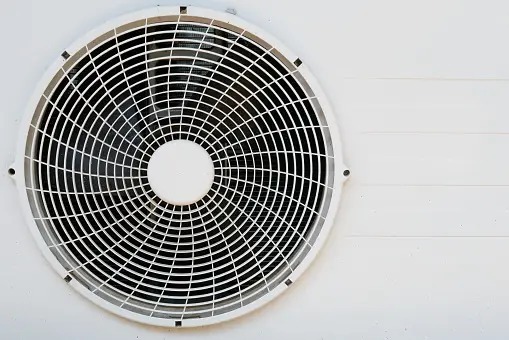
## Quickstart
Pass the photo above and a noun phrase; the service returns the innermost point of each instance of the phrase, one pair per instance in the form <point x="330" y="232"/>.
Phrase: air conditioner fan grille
<point x="114" y="102"/>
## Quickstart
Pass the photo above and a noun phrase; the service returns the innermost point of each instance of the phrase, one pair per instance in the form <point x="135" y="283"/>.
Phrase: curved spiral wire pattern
<point x="114" y="102"/>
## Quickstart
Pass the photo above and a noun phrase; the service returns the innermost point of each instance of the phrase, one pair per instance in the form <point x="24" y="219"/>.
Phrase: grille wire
<point x="119" y="98"/>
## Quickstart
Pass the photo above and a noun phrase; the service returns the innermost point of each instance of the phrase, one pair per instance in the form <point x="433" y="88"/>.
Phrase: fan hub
<point x="180" y="172"/>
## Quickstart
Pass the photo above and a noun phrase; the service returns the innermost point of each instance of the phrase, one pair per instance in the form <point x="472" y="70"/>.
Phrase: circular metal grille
<point x="106" y="110"/>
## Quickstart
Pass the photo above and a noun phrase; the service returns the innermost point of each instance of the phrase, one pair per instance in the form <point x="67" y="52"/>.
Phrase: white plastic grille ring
<point x="180" y="74"/>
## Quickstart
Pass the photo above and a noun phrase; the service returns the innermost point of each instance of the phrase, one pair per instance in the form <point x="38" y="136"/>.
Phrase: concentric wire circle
<point x="170" y="74"/>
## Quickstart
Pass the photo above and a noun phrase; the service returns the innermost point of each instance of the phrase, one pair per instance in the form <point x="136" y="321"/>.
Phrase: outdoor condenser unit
<point x="182" y="165"/>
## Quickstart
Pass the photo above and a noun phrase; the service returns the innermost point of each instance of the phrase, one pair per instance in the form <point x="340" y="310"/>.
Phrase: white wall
<point x="421" y="245"/>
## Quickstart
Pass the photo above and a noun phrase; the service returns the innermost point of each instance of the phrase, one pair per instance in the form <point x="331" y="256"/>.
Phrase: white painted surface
<point x="420" y="248"/>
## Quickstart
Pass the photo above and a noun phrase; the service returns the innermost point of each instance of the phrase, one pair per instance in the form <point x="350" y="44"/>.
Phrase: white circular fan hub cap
<point x="180" y="172"/>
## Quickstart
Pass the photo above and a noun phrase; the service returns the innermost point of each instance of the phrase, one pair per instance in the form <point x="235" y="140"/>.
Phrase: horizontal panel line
<point x="428" y="185"/>
<point x="428" y="79"/>
<point x="425" y="236"/>
<point x="432" y="133"/>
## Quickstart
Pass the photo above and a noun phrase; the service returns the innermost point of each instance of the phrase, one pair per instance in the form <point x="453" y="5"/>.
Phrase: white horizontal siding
<point x="459" y="211"/>
<point x="430" y="159"/>
<point x="427" y="157"/>
<point x="401" y="39"/>
<point x="424" y="106"/>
